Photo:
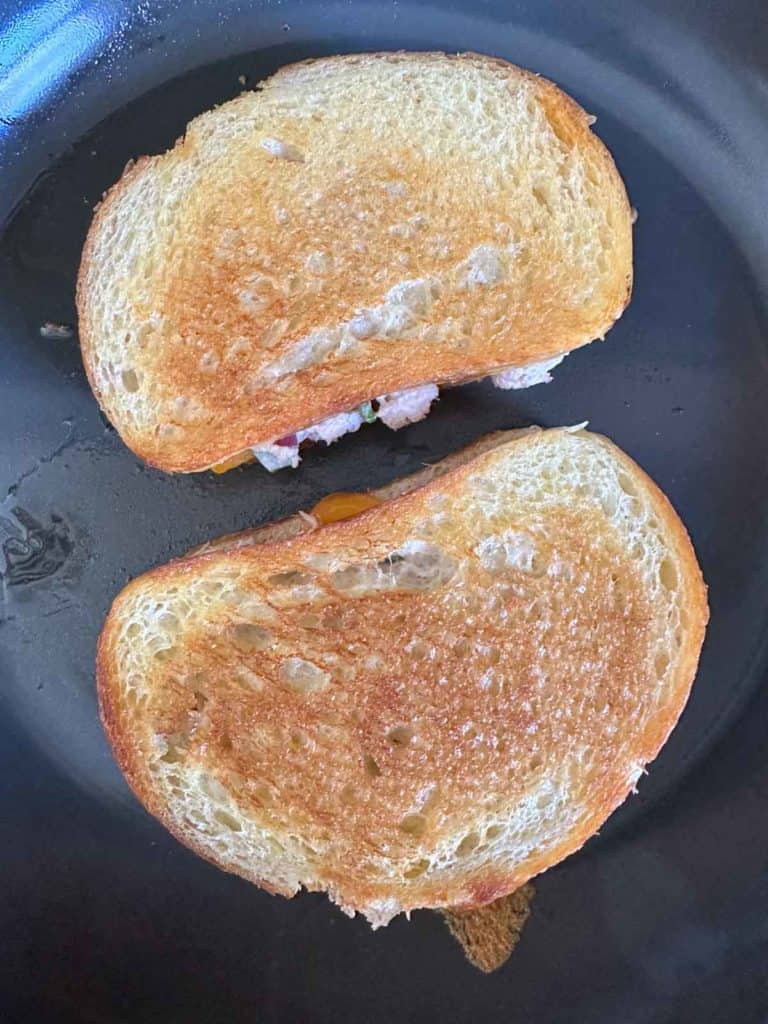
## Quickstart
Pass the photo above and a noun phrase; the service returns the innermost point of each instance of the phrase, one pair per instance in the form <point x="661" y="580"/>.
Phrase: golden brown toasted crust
<point x="217" y="272"/>
<point x="345" y="779"/>
<point x="489" y="934"/>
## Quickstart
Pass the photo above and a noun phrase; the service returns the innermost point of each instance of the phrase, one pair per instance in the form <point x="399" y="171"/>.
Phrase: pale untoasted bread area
<point x="425" y="705"/>
<point x="358" y="226"/>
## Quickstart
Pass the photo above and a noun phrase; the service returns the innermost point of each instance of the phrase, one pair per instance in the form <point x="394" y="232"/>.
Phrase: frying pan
<point x="103" y="917"/>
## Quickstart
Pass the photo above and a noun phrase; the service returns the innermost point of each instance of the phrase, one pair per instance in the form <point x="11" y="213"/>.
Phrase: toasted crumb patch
<point x="488" y="935"/>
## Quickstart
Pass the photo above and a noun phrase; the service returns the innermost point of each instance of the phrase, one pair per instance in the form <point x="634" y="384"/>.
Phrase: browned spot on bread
<point x="489" y="934"/>
<point x="458" y="701"/>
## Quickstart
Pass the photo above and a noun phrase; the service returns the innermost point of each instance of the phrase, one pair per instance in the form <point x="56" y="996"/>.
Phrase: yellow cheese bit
<point x="342" y="505"/>
<point x="234" y="460"/>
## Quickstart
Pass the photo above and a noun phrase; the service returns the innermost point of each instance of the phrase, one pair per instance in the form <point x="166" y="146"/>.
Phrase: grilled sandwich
<point x="335" y="246"/>
<point x="421" y="696"/>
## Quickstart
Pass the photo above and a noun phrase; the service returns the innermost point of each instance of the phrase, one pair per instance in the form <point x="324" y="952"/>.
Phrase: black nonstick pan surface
<point x="104" y="917"/>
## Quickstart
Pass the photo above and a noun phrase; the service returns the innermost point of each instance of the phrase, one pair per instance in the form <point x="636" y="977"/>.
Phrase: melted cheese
<point x="234" y="460"/>
<point x="342" y="505"/>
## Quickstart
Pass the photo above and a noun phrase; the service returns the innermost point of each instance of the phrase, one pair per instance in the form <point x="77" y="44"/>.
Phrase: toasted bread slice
<point x="355" y="227"/>
<point x="424" y="705"/>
